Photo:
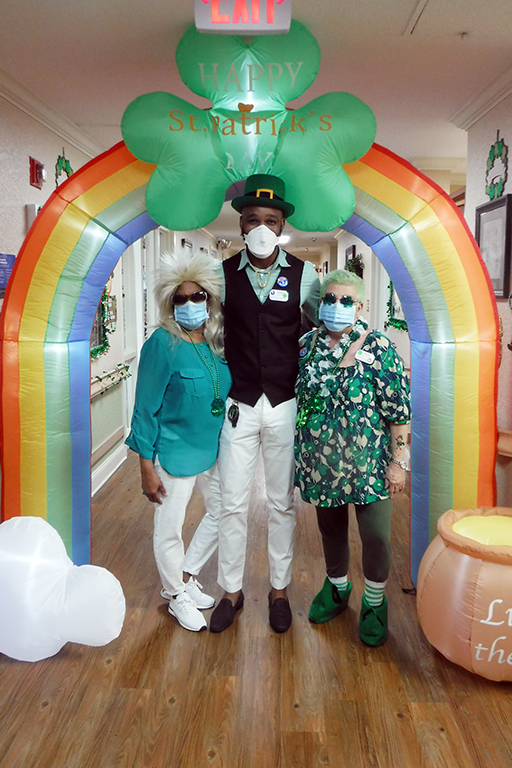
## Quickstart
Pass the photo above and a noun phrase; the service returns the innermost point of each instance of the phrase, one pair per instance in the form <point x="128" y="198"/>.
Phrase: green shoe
<point x="373" y="623"/>
<point x="328" y="603"/>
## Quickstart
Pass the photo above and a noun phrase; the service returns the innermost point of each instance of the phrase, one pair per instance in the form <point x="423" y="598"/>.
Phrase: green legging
<point x="374" y="522"/>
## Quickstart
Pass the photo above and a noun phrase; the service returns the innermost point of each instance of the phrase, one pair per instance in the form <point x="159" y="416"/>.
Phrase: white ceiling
<point x="419" y="64"/>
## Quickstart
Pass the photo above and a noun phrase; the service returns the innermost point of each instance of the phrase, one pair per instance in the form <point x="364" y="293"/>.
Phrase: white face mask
<point x="261" y="241"/>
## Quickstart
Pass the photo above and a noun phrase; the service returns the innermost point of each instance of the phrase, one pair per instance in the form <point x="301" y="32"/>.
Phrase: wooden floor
<point x="162" y="697"/>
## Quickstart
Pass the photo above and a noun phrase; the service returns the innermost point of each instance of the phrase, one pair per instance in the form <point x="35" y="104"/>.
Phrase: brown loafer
<point x="224" y="614"/>
<point x="280" y="615"/>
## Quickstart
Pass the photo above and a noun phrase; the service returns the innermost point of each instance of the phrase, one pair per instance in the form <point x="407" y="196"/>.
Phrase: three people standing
<point x="350" y="433"/>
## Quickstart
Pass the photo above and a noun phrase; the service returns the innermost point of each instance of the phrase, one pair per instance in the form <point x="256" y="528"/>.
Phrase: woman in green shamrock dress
<point x="352" y="425"/>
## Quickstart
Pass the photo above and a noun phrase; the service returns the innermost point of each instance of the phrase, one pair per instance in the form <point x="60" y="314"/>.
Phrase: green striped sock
<point x="374" y="592"/>
<point x="341" y="583"/>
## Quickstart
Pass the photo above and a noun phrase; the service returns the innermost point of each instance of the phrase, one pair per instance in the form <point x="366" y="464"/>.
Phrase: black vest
<point x="262" y="339"/>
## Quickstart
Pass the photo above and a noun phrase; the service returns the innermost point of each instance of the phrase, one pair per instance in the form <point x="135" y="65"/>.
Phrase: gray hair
<point x="199" y="268"/>
<point x="344" y="277"/>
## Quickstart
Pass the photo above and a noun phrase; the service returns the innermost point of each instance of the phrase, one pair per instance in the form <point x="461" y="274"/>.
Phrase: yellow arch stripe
<point x="434" y="238"/>
<point x="454" y="283"/>
<point x="63" y="240"/>
<point x="107" y="192"/>
<point x="466" y="425"/>
<point x="451" y="273"/>
<point x="34" y="321"/>
<point x="47" y="273"/>
<point x="386" y="191"/>
<point x="33" y="326"/>
<point x="32" y="403"/>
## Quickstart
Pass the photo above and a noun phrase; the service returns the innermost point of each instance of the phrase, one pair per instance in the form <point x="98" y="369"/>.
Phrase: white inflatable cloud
<point x="45" y="600"/>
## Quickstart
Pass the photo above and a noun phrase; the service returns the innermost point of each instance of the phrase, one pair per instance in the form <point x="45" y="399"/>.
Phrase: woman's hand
<point x="152" y="486"/>
<point x="395" y="479"/>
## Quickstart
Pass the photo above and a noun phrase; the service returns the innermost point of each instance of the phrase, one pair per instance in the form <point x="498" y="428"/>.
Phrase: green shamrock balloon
<point x="199" y="153"/>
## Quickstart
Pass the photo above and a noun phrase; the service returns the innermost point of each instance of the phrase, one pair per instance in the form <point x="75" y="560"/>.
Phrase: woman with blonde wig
<point x="182" y="385"/>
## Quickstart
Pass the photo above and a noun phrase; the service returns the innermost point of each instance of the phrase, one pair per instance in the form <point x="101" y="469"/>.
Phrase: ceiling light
<point x="284" y="239"/>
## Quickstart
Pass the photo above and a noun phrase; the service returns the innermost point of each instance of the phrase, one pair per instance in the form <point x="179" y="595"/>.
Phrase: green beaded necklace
<point x="218" y="406"/>
<point x="310" y="400"/>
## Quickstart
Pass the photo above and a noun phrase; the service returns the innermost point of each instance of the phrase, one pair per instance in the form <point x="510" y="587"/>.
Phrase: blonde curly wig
<point x="199" y="268"/>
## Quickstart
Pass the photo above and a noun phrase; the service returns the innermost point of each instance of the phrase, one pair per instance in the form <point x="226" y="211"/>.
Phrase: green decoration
<point x="102" y="327"/>
<point x="355" y="265"/>
<point x="392" y="320"/>
<point x="248" y="129"/>
<point x="497" y="169"/>
<point x="122" y="372"/>
<point x="62" y="166"/>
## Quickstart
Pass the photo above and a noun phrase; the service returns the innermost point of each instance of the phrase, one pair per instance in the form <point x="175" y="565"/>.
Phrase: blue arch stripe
<point x="387" y="253"/>
<point x="79" y="359"/>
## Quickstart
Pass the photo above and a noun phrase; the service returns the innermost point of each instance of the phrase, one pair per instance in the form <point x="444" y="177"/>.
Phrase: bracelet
<point x="401" y="464"/>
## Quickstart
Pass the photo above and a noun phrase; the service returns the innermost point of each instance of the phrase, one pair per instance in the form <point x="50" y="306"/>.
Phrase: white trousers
<point x="206" y="537"/>
<point x="168" y="525"/>
<point x="273" y="430"/>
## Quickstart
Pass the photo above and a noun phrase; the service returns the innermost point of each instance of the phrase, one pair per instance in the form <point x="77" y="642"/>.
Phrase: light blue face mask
<point x="336" y="317"/>
<point x="191" y="315"/>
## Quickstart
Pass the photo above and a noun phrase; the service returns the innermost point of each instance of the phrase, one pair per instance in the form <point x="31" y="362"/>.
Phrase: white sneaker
<point x="184" y="609"/>
<point x="193" y="589"/>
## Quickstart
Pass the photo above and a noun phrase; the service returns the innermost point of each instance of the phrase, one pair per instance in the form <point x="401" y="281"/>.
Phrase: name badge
<point x="365" y="357"/>
<point x="276" y="295"/>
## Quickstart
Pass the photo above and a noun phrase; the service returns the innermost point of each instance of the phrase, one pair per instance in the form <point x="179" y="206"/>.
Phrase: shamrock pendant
<point x="218" y="406"/>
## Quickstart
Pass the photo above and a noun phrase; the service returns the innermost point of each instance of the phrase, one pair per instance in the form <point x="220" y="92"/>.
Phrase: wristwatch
<point x="401" y="464"/>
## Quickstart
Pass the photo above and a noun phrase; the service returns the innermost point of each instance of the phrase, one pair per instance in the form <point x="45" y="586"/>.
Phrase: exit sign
<point x="249" y="17"/>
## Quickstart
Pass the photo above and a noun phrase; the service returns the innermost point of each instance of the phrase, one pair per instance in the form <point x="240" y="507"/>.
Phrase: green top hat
<point x="264" y="190"/>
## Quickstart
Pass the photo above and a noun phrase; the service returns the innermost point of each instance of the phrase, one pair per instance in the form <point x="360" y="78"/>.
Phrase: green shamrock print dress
<point x="343" y="452"/>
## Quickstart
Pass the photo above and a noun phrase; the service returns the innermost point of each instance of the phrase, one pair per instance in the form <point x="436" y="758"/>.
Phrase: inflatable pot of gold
<point x="465" y="590"/>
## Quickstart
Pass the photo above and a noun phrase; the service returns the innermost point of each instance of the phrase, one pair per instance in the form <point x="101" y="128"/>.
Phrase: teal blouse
<point x="172" y="417"/>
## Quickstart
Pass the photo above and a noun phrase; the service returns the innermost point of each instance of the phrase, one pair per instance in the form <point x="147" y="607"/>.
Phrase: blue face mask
<point x="336" y="317"/>
<point x="191" y="315"/>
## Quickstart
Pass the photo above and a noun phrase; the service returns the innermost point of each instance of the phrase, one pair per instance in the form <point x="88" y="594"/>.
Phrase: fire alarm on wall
<point x="37" y="173"/>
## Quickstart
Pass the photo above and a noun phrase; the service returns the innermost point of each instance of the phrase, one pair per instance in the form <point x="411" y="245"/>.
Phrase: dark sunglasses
<point x="196" y="298"/>
<point x="330" y="298"/>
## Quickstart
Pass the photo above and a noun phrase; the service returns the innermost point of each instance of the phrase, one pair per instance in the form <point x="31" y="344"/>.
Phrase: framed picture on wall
<point x="493" y="235"/>
<point x="349" y="253"/>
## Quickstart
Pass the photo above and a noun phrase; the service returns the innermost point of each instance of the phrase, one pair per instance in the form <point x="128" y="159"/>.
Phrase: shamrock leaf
<point x="200" y="153"/>
<point x="321" y="136"/>
<point x="268" y="72"/>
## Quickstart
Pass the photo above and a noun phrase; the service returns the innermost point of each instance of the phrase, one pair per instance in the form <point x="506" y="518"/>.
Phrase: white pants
<point x="206" y="537"/>
<point x="168" y="524"/>
<point x="273" y="429"/>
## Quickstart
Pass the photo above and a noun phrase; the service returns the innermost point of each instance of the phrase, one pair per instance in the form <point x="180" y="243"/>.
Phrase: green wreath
<point x="391" y="320"/>
<point x="498" y="151"/>
<point x="105" y="330"/>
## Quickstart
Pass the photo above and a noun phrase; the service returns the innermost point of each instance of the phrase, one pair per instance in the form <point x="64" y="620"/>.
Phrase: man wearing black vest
<point x="265" y="289"/>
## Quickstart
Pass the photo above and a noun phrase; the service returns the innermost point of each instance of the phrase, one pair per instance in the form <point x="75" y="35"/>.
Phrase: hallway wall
<point x="23" y="137"/>
<point x="481" y="136"/>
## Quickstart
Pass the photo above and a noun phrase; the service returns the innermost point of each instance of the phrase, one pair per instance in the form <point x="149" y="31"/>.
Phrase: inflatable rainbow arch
<point x="59" y="276"/>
